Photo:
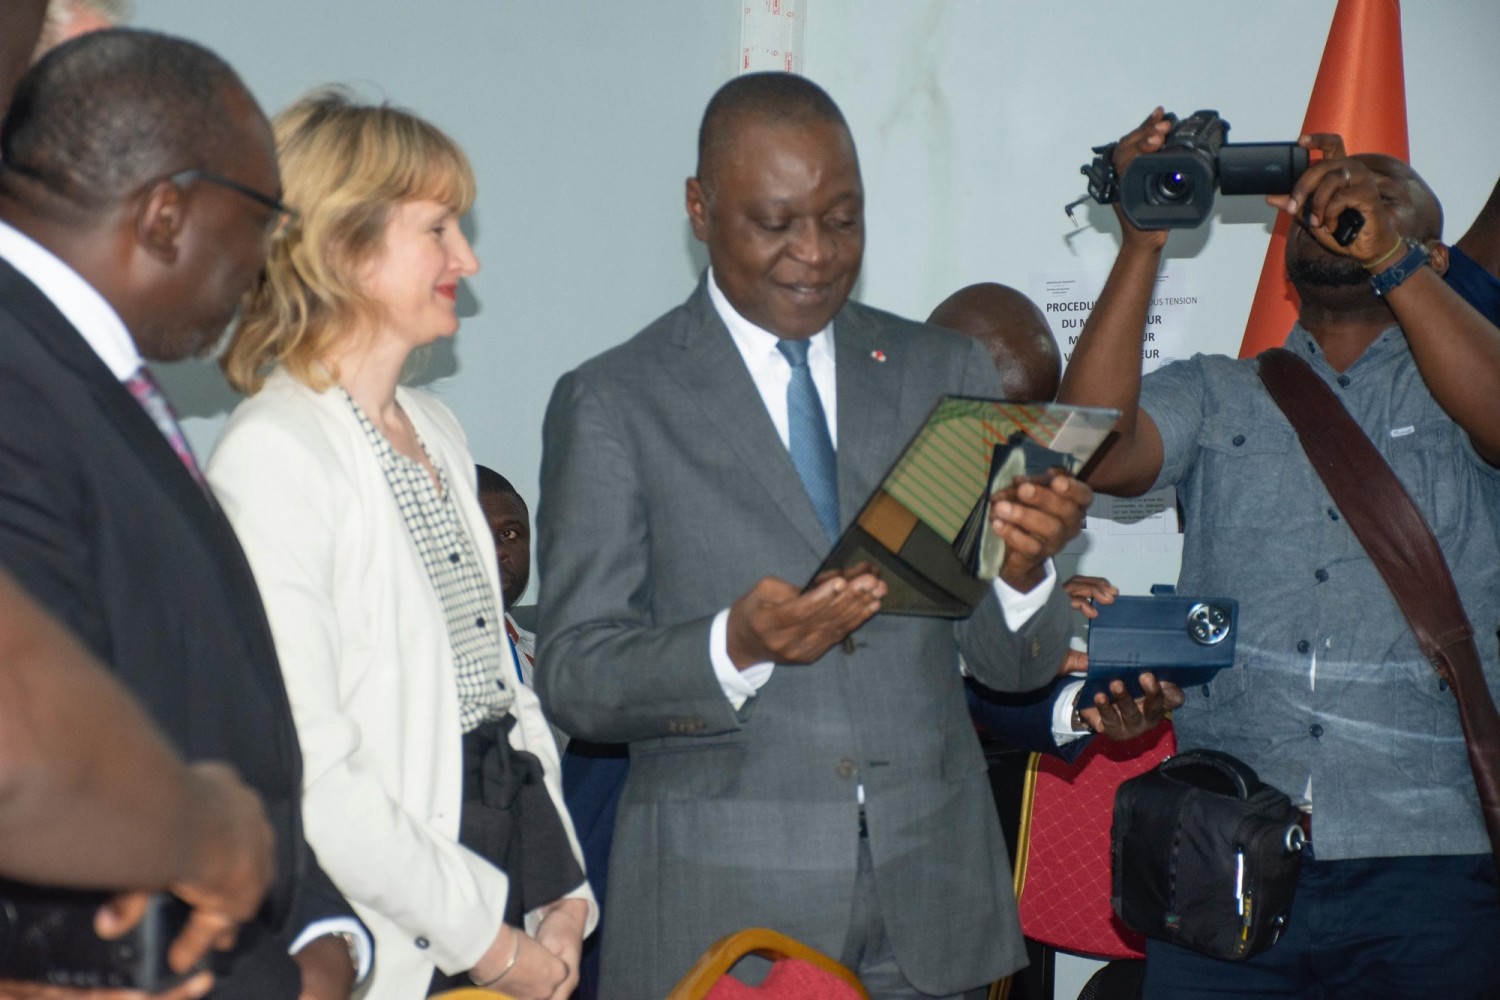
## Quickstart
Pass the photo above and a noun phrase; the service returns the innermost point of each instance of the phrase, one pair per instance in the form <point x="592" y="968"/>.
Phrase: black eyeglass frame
<point x="284" y="215"/>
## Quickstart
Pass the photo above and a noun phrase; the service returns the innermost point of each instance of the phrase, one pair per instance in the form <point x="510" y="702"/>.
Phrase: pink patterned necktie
<point x="146" y="392"/>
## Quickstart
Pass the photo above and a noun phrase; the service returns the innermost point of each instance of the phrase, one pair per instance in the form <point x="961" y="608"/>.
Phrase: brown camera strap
<point x="1401" y="545"/>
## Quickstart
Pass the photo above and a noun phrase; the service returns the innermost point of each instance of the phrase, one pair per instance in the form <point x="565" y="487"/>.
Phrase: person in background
<point x="67" y="19"/>
<point x="593" y="774"/>
<point x="1015" y="334"/>
<point x="432" y="787"/>
<point x="138" y="196"/>
<point x="509" y="520"/>
<point x="1474" y="260"/>
<point x="20" y="26"/>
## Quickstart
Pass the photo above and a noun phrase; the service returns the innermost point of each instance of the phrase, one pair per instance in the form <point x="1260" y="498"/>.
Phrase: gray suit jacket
<point x="666" y="494"/>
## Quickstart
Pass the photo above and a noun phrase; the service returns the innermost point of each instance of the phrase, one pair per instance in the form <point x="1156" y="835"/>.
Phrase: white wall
<point x="971" y="116"/>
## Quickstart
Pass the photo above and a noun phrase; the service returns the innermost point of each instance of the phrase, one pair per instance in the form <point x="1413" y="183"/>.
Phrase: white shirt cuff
<point x="739" y="685"/>
<point x="1018" y="607"/>
<point x="364" y="948"/>
<point x="1062" y="714"/>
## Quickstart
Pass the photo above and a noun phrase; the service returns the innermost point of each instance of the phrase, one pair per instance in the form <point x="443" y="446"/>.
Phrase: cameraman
<point x="1333" y="701"/>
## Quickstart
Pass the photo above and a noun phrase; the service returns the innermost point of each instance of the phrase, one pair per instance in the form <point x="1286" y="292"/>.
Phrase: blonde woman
<point x="431" y="782"/>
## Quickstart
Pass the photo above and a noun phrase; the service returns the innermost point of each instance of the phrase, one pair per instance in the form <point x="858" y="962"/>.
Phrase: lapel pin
<point x="878" y="355"/>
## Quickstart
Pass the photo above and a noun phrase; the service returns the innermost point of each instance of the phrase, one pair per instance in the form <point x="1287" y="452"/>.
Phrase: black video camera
<point x="1173" y="188"/>
<point x="48" y="936"/>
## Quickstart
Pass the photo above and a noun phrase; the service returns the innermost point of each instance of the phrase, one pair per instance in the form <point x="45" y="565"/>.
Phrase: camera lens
<point x="1171" y="188"/>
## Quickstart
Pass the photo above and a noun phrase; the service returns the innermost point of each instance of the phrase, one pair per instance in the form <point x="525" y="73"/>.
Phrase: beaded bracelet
<point x="1372" y="264"/>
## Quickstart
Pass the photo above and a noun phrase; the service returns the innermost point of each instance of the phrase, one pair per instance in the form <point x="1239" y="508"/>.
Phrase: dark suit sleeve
<point x="318" y="900"/>
<point x="605" y="670"/>
<point x="1023" y="721"/>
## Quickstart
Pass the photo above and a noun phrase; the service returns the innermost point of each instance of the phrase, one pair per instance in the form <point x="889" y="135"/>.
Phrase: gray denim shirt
<point x="1330" y="691"/>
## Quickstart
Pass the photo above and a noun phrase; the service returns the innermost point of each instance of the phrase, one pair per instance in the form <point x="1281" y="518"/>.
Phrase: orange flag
<point x="1360" y="93"/>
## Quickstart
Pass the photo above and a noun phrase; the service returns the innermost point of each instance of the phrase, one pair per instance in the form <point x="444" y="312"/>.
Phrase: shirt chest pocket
<point x="1427" y="458"/>
<point x="1255" y="475"/>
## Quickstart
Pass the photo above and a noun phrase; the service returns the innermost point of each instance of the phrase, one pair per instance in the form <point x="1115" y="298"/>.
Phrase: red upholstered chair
<point x="1062" y="860"/>
<point x="797" y="973"/>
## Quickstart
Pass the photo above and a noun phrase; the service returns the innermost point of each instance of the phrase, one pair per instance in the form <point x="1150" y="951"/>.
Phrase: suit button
<point x="1035" y="649"/>
<point x="848" y="645"/>
<point x="423" y="943"/>
<point x="846" y="768"/>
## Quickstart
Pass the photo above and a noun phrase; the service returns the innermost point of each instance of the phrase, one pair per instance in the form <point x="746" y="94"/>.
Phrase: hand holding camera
<point x="232" y="867"/>
<point x="71" y="943"/>
<point x="1332" y="188"/>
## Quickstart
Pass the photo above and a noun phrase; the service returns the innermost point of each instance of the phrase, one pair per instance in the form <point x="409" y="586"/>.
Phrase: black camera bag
<point x="1205" y="855"/>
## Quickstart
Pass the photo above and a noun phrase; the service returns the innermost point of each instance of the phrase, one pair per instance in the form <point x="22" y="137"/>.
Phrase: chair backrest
<point x="1062" y="859"/>
<point x="469" y="993"/>
<point x="798" y="972"/>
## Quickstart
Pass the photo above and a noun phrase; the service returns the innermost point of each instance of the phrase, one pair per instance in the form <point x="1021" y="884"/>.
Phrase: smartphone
<point x="1185" y="640"/>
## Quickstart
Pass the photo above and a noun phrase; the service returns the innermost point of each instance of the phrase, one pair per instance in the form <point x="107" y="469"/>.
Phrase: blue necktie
<point x="808" y="439"/>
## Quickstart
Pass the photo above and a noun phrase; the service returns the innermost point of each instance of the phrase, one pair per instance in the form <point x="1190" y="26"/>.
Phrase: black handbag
<point x="1205" y="855"/>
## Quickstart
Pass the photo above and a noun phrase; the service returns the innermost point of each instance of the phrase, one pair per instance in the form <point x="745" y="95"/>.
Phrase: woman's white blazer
<point x="364" y="647"/>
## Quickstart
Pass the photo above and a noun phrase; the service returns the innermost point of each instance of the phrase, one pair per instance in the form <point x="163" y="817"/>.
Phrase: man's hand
<point x="561" y="933"/>
<point x="231" y="867"/>
<point x="1035" y="521"/>
<point x="1086" y="591"/>
<point x="776" y="622"/>
<point x="327" y="969"/>
<point x="1331" y="185"/>
<point x="1121" y="717"/>
<point x="1147" y="137"/>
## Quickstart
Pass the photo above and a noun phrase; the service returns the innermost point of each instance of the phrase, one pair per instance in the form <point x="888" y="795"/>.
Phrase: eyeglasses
<point x="282" y="215"/>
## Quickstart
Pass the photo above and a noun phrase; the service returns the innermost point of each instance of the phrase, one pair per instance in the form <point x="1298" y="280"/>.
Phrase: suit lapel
<point x="869" y="376"/>
<point x="140" y="435"/>
<point x="709" y="370"/>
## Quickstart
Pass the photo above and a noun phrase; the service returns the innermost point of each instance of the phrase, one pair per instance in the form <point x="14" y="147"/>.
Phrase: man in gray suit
<point x="796" y="762"/>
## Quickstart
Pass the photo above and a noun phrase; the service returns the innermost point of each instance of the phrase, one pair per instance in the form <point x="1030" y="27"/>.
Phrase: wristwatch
<point x="1416" y="255"/>
<point x="1079" y="726"/>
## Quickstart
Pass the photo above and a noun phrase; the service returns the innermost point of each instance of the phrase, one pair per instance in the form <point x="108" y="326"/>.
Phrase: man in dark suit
<point x="795" y="762"/>
<point x="138" y="195"/>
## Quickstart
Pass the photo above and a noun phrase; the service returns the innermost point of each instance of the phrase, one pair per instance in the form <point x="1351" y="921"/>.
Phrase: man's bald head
<point x="106" y="113"/>
<point x="768" y="98"/>
<point x="1013" y="330"/>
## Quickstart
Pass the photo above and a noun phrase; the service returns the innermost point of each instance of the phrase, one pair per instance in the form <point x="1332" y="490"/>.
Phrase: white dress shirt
<point x="771" y="373"/>
<point x="78" y="301"/>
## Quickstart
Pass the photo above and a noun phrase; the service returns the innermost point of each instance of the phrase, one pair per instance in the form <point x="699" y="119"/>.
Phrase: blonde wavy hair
<point x="344" y="166"/>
